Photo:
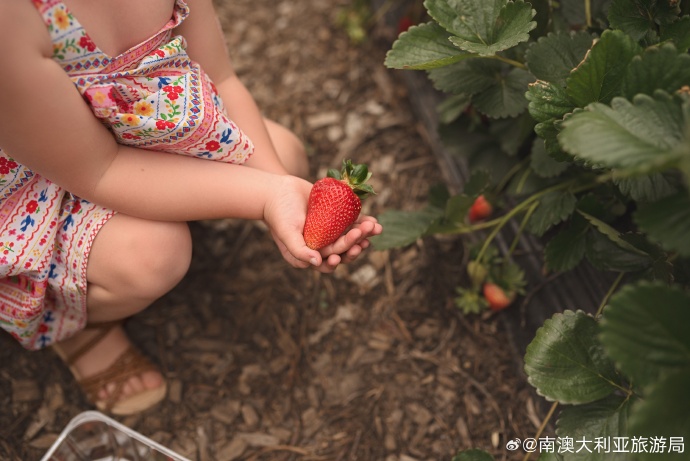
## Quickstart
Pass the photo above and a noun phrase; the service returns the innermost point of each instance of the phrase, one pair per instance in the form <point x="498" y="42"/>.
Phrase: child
<point x="121" y="121"/>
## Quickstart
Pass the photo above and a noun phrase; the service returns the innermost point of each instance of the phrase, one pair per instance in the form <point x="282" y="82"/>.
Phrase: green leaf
<point x="661" y="268"/>
<point x="611" y="233"/>
<point x="479" y="181"/>
<point x="548" y="101"/>
<point x="664" y="413"/>
<point x="452" y="107"/>
<point x="565" y="251"/>
<point x="599" y="77"/>
<point x="506" y="96"/>
<point x="446" y="12"/>
<point x="543" y="164"/>
<point x="678" y="33"/>
<point x="554" y="56"/>
<point x="606" y="255"/>
<point x="605" y="419"/>
<point x="640" y="18"/>
<point x="438" y="195"/>
<point x="473" y="455"/>
<point x="457" y="208"/>
<point x="640" y="136"/>
<point x="658" y="68"/>
<point x="645" y="329"/>
<point x="425" y="46"/>
<point x="646" y="188"/>
<point x="497" y="90"/>
<point x="565" y="361"/>
<point x="512" y="133"/>
<point x="402" y="228"/>
<point x="549" y="131"/>
<point x="484" y="27"/>
<point x="667" y="221"/>
<point x="553" y="208"/>
<point x="466" y="77"/>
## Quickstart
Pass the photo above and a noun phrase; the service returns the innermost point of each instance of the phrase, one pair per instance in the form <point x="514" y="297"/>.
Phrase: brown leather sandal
<point x="130" y="363"/>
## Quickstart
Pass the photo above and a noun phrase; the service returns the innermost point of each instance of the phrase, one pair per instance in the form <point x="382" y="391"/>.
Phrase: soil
<point x="266" y="362"/>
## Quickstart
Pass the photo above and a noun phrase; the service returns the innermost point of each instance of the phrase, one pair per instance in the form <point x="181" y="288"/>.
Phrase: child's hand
<point x="350" y="245"/>
<point x="285" y="214"/>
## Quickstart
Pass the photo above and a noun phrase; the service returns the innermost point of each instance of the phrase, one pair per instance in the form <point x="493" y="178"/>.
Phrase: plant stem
<point x="547" y="418"/>
<point x="603" y="304"/>
<point x="469" y="229"/>
<point x="527" y="204"/>
<point x="523" y="224"/>
<point x="517" y="209"/>
<point x="512" y="172"/>
<point x="613" y="288"/>
<point x="512" y="62"/>
<point x="588" y="12"/>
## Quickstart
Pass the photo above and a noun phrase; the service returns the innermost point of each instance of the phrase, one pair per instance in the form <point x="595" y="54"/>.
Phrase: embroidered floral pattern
<point x="152" y="96"/>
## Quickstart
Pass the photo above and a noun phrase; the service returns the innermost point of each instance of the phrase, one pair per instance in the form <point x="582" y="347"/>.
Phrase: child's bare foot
<point x="112" y="373"/>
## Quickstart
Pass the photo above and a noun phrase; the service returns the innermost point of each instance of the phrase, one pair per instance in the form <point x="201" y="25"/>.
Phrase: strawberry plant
<point x="574" y="116"/>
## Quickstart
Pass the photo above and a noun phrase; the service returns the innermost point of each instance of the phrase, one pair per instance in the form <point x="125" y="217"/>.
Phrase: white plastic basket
<point x="92" y="436"/>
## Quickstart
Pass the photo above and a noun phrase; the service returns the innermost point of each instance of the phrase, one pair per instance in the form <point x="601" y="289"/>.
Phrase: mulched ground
<point x="270" y="363"/>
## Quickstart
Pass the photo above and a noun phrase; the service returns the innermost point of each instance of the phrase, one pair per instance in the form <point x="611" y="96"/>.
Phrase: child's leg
<point x="289" y="148"/>
<point x="132" y="263"/>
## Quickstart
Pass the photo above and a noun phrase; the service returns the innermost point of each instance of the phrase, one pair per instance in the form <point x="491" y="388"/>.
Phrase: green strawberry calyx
<point x="355" y="176"/>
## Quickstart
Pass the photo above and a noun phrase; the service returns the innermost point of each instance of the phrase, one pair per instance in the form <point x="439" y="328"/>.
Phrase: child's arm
<point x="206" y="45"/>
<point x="46" y="125"/>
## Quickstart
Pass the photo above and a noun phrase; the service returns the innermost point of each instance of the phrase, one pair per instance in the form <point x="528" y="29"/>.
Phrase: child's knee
<point x="165" y="256"/>
<point x="139" y="259"/>
<point x="297" y="162"/>
<point x="290" y="149"/>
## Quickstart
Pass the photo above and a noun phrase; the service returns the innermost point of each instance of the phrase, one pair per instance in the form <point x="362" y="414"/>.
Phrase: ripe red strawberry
<point x="404" y="23"/>
<point x="480" y="209"/>
<point x="497" y="298"/>
<point x="334" y="204"/>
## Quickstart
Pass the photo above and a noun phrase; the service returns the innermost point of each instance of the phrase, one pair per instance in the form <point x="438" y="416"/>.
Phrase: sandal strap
<point x="103" y="330"/>
<point x="130" y="363"/>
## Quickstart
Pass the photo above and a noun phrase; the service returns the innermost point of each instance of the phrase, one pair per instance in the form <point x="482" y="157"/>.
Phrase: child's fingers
<point x="362" y="218"/>
<point x="350" y="245"/>
<point x="370" y="227"/>
<point x="344" y="242"/>
<point x="296" y="252"/>
<point x="331" y="263"/>
<point x="352" y="254"/>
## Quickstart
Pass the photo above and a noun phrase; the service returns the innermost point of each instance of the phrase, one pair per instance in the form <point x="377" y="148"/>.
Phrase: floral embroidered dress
<point x="151" y="96"/>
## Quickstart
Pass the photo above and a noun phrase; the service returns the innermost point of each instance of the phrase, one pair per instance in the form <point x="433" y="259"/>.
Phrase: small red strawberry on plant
<point x="404" y="23"/>
<point x="497" y="297"/>
<point x="480" y="209"/>
<point x="334" y="204"/>
<point x="495" y="281"/>
<point x="505" y="282"/>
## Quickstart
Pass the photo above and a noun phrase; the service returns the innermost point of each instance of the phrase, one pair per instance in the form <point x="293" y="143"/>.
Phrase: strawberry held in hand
<point x="334" y="204"/>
